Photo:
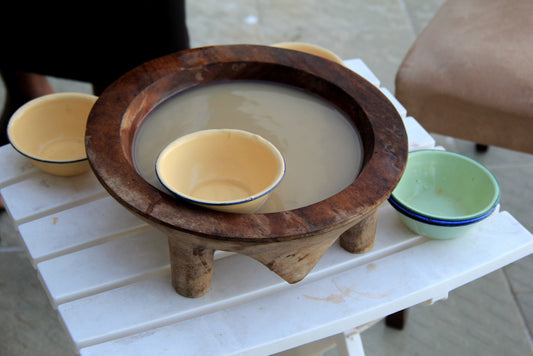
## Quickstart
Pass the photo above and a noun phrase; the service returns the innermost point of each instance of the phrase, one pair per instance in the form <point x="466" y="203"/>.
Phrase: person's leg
<point x="33" y="85"/>
<point x="20" y="88"/>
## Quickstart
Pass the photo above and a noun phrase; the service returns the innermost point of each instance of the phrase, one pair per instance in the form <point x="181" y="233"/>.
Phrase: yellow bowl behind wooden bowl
<point x="50" y="130"/>
<point x="311" y="49"/>
<point x="222" y="169"/>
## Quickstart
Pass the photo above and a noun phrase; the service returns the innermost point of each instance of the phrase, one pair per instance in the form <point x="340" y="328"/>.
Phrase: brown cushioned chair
<point x="470" y="73"/>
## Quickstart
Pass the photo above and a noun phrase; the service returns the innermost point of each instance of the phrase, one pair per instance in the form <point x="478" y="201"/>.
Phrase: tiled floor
<point x="491" y="316"/>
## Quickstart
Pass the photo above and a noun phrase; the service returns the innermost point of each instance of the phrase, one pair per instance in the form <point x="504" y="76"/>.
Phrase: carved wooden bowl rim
<point x="120" y="109"/>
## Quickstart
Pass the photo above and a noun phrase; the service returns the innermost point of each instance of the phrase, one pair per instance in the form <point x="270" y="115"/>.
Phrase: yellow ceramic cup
<point x="311" y="49"/>
<point x="50" y="130"/>
<point x="222" y="169"/>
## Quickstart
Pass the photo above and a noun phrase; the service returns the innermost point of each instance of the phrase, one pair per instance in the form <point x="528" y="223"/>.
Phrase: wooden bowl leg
<point x="360" y="238"/>
<point x="292" y="260"/>
<point x="191" y="267"/>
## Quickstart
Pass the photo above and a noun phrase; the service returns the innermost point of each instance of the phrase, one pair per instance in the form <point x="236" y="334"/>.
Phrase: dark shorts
<point x="96" y="43"/>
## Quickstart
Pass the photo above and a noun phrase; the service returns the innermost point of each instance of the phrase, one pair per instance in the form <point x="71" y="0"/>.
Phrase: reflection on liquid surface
<point x="322" y="149"/>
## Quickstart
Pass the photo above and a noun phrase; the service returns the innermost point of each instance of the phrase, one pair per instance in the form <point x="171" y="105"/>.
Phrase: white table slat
<point x="80" y="227"/>
<point x="399" y="107"/>
<point x="94" y="319"/>
<point x="357" y="65"/>
<point x="105" y="266"/>
<point x="349" y="298"/>
<point x="42" y="194"/>
<point x="15" y="167"/>
<point x="418" y="138"/>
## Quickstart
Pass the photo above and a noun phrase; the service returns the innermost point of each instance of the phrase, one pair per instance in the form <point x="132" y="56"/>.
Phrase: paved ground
<point x="491" y="316"/>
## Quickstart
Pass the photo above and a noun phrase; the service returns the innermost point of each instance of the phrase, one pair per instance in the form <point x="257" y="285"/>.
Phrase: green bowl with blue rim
<point x="442" y="194"/>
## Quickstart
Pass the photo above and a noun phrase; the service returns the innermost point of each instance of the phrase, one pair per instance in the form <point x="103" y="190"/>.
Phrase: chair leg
<point x="397" y="320"/>
<point x="349" y="344"/>
<point x="481" y="148"/>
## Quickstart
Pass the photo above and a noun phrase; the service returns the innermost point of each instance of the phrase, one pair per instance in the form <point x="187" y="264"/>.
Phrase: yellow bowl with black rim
<point x="50" y="131"/>
<point x="221" y="169"/>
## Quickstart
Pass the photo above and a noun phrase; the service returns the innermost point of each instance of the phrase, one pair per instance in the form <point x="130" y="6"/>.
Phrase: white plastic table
<point x="108" y="275"/>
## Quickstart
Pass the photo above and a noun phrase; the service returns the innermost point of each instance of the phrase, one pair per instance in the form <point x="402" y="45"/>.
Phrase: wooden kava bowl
<point x="289" y="243"/>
